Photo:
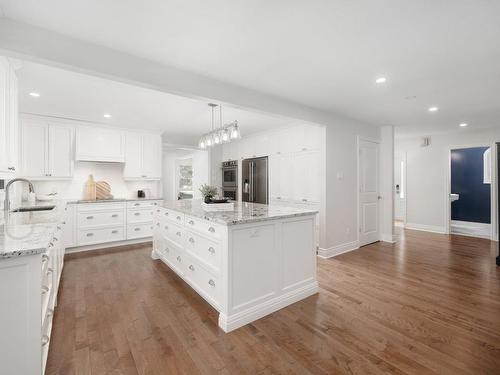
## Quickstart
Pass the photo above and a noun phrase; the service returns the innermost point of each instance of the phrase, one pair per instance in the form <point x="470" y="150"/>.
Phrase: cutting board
<point x="103" y="190"/>
<point x="90" y="189"/>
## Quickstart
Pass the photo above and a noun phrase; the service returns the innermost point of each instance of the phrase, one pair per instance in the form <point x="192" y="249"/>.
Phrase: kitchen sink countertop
<point x="27" y="233"/>
<point x="243" y="212"/>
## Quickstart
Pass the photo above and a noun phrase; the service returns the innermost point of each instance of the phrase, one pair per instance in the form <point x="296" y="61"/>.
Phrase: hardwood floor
<point x="429" y="304"/>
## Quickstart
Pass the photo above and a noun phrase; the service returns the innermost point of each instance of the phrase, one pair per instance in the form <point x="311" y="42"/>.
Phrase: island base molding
<point x="235" y="321"/>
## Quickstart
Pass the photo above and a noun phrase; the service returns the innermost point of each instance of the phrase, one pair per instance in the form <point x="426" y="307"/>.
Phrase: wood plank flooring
<point x="429" y="304"/>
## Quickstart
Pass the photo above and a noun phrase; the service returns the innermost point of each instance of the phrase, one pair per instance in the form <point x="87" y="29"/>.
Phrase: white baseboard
<point x="78" y="249"/>
<point x="390" y="238"/>
<point x="232" y="322"/>
<point x="337" y="250"/>
<point x="426" y="228"/>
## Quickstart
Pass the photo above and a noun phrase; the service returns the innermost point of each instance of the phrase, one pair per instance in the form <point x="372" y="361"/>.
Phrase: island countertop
<point x="243" y="212"/>
<point x="27" y="233"/>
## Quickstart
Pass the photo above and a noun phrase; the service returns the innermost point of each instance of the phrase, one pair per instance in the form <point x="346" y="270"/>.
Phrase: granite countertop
<point x="27" y="233"/>
<point x="77" y="201"/>
<point x="242" y="213"/>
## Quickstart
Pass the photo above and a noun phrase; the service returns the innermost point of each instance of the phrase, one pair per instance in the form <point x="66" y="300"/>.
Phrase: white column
<point x="386" y="209"/>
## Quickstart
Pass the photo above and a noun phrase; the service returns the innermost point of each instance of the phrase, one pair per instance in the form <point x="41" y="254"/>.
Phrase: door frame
<point x="404" y="179"/>
<point x="493" y="187"/>
<point x="358" y="185"/>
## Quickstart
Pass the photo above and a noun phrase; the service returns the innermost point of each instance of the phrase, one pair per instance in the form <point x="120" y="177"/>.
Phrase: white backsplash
<point x="112" y="173"/>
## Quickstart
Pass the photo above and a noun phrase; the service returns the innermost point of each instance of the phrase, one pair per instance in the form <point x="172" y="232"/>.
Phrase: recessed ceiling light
<point x="107" y="115"/>
<point x="34" y="94"/>
<point x="381" y="80"/>
<point x="463" y="124"/>
<point x="433" y="109"/>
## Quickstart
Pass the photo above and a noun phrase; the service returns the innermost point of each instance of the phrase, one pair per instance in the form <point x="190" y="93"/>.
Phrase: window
<point x="185" y="178"/>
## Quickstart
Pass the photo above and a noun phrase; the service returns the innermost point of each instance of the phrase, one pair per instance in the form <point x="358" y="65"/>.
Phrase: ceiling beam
<point x="31" y="43"/>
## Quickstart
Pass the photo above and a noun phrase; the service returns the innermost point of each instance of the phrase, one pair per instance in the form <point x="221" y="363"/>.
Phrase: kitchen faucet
<point x="6" y="205"/>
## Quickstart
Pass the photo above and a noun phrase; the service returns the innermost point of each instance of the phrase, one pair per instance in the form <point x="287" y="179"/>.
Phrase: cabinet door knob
<point x="45" y="340"/>
<point x="114" y="231"/>
<point x="178" y="217"/>
<point x="45" y="289"/>
<point x="137" y="213"/>
<point x="191" y="222"/>
<point x="178" y="258"/>
<point x="166" y="227"/>
<point x="211" y="282"/>
<point x="191" y="267"/>
<point x="211" y="250"/>
<point x="191" y="239"/>
<point x="211" y="229"/>
<point x="178" y="233"/>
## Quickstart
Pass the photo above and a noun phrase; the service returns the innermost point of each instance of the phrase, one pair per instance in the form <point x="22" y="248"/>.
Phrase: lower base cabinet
<point x="245" y="271"/>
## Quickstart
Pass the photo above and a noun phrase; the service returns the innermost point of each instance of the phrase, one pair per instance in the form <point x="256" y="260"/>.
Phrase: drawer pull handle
<point x="211" y="250"/>
<point x="191" y="222"/>
<point x="178" y="258"/>
<point x="178" y="233"/>
<point x="50" y="312"/>
<point x="158" y="210"/>
<point x="45" y="257"/>
<point x="45" y="340"/>
<point x="211" y="282"/>
<point x="211" y="229"/>
<point x="114" y="231"/>
<point x="114" y="215"/>
<point x="51" y="244"/>
<point x="58" y="227"/>
<point x="137" y="204"/>
<point x="167" y="249"/>
<point x="157" y="224"/>
<point x="166" y="213"/>
<point x="191" y="267"/>
<point x="137" y="229"/>
<point x="191" y="239"/>
<point x="55" y="239"/>
<point x="155" y="204"/>
<point x="89" y="217"/>
<point x="166" y="227"/>
<point x="45" y="289"/>
<point x="178" y="218"/>
<point x="90" y="234"/>
<point x="50" y="270"/>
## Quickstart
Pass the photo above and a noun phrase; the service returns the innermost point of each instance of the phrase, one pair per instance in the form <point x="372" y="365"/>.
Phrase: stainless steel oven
<point x="230" y="174"/>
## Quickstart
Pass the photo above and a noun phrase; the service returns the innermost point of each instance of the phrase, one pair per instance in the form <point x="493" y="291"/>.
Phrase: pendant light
<point x="223" y="133"/>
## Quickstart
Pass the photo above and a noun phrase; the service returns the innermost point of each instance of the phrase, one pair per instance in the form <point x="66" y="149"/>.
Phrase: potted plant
<point x="208" y="192"/>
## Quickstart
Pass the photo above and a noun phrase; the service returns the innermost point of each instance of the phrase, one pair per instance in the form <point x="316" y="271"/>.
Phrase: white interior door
<point x="368" y="192"/>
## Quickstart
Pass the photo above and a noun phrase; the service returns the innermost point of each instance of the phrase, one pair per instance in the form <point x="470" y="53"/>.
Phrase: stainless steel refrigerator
<point x="254" y="185"/>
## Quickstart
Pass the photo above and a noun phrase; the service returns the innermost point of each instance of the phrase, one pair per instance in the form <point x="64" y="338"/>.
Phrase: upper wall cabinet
<point x="47" y="150"/>
<point x="99" y="144"/>
<point x="142" y="156"/>
<point x="8" y="119"/>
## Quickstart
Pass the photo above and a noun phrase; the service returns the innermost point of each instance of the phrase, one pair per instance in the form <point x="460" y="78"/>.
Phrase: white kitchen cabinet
<point x="247" y="148"/>
<point x="46" y="150"/>
<point x="262" y="145"/>
<point x="142" y="156"/>
<point x="306" y="177"/>
<point x="99" y="144"/>
<point x="8" y="119"/>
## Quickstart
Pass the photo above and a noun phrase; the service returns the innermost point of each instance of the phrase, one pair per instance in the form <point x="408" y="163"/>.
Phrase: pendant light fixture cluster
<point x="222" y="134"/>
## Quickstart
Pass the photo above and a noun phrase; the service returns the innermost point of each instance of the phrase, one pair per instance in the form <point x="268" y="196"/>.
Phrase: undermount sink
<point x="35" y="208"/>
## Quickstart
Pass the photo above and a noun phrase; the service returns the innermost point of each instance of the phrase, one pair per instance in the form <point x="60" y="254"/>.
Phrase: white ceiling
<point x="82" y="97"/>
<point x="325" y="54"/>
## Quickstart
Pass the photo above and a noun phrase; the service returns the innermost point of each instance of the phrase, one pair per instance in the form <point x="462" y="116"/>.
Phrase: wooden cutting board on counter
<point x="103" y="190"/>
<point x="90" y="189"/>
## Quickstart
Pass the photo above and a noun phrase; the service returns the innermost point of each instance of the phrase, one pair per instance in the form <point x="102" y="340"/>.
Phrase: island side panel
<point x="270" y="264"/>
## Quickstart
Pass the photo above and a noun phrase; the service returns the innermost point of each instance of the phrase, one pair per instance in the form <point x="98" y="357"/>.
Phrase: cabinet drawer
<point x="203" y="280"/>
<point x="100" y="235"/>
<point x="205" y="250"/>
<point x="175" y="256"/>
<point x="107" y="206"/>
<point x="96" y="219"/>
<point x="204" y="227"/>
<point x="142" y="204"/>
<point x="173" y="216"/>
<point x="139" y="215"/>
<point x="139" y="230"/>
<point x="173" y="232"/>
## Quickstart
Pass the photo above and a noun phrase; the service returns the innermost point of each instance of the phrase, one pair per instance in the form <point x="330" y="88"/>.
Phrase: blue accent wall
<point x="467" y="180"/>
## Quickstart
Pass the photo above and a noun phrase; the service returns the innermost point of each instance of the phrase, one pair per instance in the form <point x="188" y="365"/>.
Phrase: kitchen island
<point x="246" y="263"/>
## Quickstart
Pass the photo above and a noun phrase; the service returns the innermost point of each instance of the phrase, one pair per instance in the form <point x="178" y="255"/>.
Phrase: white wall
<point x="109" y="172"/>
<point x="341" y="187"/>
<point x="427" y="174"/>
<point x="200" y="170"/>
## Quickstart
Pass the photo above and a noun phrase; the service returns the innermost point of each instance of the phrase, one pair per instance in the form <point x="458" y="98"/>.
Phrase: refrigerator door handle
<point x="251" y="165"/>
